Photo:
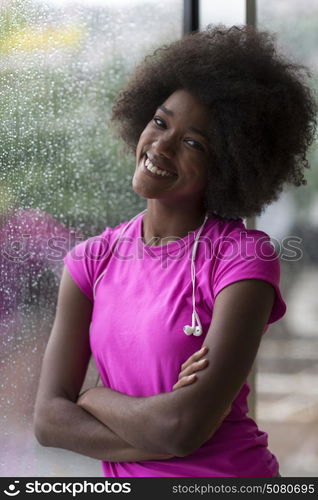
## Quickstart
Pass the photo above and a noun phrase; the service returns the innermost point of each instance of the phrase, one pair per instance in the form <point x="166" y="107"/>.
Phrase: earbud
<point x="189" y="330"/>
<point x="198" y="331"/>
<point x="193" y="330"/>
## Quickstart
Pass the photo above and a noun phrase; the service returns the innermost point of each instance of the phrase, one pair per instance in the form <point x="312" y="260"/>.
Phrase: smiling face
<point x="172" y="155"/>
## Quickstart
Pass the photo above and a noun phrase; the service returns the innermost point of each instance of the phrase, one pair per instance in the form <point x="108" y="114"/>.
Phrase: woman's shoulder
<point x="97" y="244"/>
<point x="226" y="231"/>
<point x="235" y="245"/>
<point x="240" y="254"/>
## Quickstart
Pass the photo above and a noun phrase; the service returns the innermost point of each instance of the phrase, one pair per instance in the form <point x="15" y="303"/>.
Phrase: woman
<point x="218" y="122"/>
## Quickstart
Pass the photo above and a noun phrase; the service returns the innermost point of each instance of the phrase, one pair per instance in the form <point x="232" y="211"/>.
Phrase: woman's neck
<point x="162" y="224"/>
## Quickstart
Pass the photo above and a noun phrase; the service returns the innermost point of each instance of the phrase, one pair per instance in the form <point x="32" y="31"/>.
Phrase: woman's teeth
<point x="155" y="170"/>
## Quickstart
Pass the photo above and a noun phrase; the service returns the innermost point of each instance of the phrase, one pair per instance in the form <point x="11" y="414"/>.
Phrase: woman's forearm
<point x="68" y="426"/>
<point x="149" y="423"/>
<point x="144" y="422"/>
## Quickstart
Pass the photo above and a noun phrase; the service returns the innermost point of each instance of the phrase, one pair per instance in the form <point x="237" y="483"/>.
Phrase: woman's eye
<point x="158" y="121"/>
<point x="194" y="144"/>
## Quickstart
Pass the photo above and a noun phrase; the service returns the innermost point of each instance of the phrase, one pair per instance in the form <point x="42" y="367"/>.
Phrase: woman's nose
<point x="165" y="146"/>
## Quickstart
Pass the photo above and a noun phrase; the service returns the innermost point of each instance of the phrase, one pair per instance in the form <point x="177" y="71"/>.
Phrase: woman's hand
<point x="192" y="365"/>
<point x="186" y="376"/>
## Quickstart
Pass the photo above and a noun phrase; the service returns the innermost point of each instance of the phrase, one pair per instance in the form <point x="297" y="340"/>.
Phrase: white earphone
<point x="194" y="329"/>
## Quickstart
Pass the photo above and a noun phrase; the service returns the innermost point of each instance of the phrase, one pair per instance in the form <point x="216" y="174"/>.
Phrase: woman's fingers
<point x="184" y="381"/>
<point x="188" y="376"/>
<point x="195" y="357"/>
<point x="194" y="367"/>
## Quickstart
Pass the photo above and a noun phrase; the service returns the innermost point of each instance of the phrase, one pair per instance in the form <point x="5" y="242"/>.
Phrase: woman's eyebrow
<point x="166" y="110"/>
<point x="193" y="129"/>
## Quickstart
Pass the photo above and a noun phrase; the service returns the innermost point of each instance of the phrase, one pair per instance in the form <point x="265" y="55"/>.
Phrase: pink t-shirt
<point x="142" y="298"/>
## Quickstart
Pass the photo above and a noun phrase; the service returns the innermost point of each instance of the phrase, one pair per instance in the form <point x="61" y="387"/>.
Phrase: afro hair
<point x="263" y="112"/>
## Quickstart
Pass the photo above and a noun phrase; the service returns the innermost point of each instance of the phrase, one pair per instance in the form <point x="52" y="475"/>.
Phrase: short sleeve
<point x="85" y="260"/>
<point x="248" y="254"/>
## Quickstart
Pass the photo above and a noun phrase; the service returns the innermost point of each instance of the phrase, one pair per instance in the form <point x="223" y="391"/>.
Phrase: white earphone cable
<point x="195" y="315"/>
<point x="115" y="248"/>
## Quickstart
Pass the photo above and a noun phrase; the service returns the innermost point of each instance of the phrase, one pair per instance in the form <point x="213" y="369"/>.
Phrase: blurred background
<point x="64" y="177"/>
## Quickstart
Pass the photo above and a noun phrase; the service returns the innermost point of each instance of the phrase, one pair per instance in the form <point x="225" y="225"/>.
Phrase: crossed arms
<point x="112" y="426"/>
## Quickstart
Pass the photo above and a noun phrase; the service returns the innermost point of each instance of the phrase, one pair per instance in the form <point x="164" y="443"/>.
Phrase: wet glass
<point x="63" y="178"/>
